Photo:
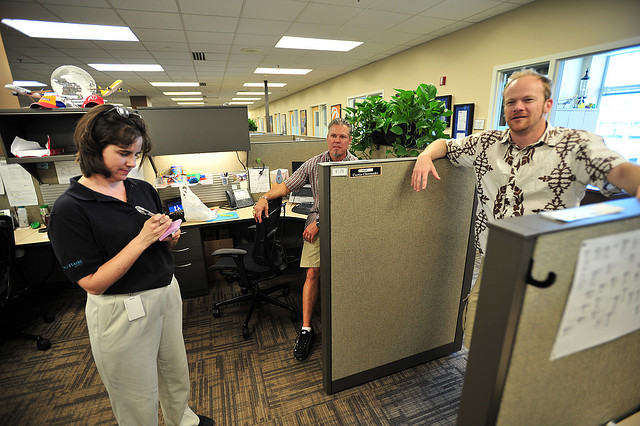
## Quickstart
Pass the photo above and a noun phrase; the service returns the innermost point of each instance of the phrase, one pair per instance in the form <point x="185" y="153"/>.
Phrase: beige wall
<point x="536" y="31"/>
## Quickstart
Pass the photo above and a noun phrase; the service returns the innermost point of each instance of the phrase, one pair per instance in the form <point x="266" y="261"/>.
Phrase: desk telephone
<point x="238" y="198"/>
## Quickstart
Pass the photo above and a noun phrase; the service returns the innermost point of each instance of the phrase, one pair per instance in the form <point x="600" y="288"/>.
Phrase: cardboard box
<point x="210" y="247"/>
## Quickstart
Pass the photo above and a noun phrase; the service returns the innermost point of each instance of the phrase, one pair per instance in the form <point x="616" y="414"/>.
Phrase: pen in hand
<point x="172" y="228"/>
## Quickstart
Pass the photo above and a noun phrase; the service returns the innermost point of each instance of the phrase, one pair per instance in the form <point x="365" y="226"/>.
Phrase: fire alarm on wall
<point x="443" y="80"/>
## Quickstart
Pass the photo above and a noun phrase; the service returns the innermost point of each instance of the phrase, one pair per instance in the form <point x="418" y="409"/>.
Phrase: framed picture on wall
<point x="284" y="124"/>
<point x="303" y="121"/>
<point x="447" y="104"/>
<point x="462" y="120"/>
<point x="336" y="111"/>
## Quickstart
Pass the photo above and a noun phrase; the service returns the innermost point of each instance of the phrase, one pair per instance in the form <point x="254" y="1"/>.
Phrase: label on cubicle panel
<point x="364" y="171"/>
<point x="339" y="171"/>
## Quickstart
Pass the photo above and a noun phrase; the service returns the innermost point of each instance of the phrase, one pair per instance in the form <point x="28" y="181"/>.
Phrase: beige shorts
<point x="311" y="254"/>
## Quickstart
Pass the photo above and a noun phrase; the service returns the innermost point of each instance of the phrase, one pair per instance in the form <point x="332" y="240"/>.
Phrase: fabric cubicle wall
<point x="395" y="267"/>
<point x="511" y="378"/>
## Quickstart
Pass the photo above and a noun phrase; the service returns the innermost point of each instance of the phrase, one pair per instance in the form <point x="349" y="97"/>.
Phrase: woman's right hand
<point x="154" y="227"/>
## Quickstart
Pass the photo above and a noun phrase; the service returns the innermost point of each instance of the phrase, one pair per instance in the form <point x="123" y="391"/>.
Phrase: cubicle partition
<point x="278" y="154"/>
<point x="396" y="265"/>
<point x="554" y="339"/>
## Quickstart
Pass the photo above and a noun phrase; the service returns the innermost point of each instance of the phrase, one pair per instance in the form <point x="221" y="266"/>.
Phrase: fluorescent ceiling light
<point x="190" y="103"/>
<point x="46" y="29"/>
<point x="291" y="71"/>
<point x="240" y="103"/>
<point x="173" y="84"/>
<point x="246" y="99"/>
<point x="252" y="93"/>
<point x="307" y="43"/>
<point x="28" y="83"/>
<point x="181" y="93"/>
<point x="262" y="84"/>
<point x="126" y="67"/>
<point x="187" y="99"/>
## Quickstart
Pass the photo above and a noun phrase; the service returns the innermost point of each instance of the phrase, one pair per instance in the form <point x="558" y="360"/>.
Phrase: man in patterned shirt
<point x="338" y="141"/>
<point x="529" y="168"/>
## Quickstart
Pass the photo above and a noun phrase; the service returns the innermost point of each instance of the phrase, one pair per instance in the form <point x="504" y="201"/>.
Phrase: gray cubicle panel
<point x="511" y="378"/>
<point x="395" y="267"/>
<point x="278" y="154"/>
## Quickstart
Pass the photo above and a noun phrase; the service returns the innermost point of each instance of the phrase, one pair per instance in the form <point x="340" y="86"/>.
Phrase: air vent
<point x="198" y="56"/>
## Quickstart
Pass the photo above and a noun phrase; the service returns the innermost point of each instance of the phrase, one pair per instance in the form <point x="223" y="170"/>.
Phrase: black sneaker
<point x="303" y="345"/>
<point x="205" y="421"/>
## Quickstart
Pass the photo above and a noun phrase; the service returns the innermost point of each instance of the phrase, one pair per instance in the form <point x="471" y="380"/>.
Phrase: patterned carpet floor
<point x="234" y="381"/>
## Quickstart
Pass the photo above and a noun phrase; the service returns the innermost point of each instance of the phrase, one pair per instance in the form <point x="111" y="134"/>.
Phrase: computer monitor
<point x="295" y="165"/>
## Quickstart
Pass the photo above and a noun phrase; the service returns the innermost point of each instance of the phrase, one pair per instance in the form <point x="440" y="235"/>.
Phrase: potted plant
<point x="410" y="121"/>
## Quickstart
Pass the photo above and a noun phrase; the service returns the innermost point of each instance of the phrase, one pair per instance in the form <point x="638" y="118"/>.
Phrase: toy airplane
<point x="17" y="91"/>
<point x="109" y="90"/>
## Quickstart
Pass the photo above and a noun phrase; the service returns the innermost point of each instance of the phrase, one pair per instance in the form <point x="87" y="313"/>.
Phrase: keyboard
<point x="302" y="208"/>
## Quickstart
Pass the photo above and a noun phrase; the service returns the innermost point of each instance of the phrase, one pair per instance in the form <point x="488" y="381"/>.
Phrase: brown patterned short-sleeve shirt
<point x="551" y="174"/>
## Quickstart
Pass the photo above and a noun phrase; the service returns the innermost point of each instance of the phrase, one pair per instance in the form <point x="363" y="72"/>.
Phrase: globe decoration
<point x="72" y="84"/>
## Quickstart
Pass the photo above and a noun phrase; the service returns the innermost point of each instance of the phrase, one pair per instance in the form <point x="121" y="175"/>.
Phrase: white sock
<point x="306" y="328"/>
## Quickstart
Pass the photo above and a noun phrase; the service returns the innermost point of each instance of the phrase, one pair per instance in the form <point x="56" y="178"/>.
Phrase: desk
<point x="189" y="255"/>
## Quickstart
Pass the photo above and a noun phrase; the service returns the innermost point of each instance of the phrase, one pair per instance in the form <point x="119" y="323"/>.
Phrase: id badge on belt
<point x="134" y="308"/>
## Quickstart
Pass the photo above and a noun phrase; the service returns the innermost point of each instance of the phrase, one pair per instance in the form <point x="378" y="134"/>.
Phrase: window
<point x="352" y="101"/>
<point x="601" y="93"/>
<point x="293" y="119"/>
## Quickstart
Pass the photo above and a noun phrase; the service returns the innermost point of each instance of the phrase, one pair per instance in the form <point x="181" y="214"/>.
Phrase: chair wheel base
<point x="216" y="312"/>
<point x="245" y="332"/>
<point x="43" y="344"/>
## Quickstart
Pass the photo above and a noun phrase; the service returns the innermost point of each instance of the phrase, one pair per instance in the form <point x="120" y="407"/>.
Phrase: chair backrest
<point x="267" y="248"/>
<point x="7" y="254"/>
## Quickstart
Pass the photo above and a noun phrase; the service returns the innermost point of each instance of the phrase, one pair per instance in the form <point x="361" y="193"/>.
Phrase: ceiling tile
<point x="261" y="26"/>
<point x="378" y="19"/>
<point x="459" y="9"/>
<point x="209" y="37"/>
<point x="86" y="15"/>
<point x="284" y="10"/>
<point x="173" y="36"/>
<point x="405" y="6"/>
<point x="23" y="10"/>
<point x="223" y="24"/>
<point x="150" y="5"/>
<point x="211" y="7"/>
<point x="422" y="24"/>
<point x="316" y="13"/>
<point x="143" y="19"/>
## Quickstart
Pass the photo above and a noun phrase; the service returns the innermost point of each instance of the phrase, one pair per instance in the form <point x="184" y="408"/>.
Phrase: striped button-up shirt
<point x="308" y="173"/>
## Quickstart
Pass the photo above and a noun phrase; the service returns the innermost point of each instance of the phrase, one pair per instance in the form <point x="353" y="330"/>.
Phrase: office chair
<point x="251" y="264"/>
<point x="8" y="287"/>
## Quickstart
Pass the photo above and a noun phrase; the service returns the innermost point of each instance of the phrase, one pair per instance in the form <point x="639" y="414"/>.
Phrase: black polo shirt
<point x="87" y="229"/>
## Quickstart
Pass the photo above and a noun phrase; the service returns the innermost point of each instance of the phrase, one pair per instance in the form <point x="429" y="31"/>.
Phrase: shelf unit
<point x="36" y="125"/>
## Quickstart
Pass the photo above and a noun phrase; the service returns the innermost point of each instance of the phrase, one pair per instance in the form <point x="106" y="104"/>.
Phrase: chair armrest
<point x="229" y="252"/>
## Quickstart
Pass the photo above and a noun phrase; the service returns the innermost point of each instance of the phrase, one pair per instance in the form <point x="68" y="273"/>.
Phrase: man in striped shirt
<point x="338" y="141"/>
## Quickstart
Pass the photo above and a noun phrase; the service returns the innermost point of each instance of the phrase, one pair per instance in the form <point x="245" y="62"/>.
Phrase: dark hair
<point x="106" y="125"/>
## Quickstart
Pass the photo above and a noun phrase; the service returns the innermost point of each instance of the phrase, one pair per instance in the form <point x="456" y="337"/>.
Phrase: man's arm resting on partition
<point x="626" y="176"/>
<point x="424" y="164"/>
<point x="262" y="205"/>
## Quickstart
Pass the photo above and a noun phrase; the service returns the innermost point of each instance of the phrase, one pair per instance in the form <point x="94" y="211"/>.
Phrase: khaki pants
<point x="469" y="315"/>
<point x="143" y="360"/>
